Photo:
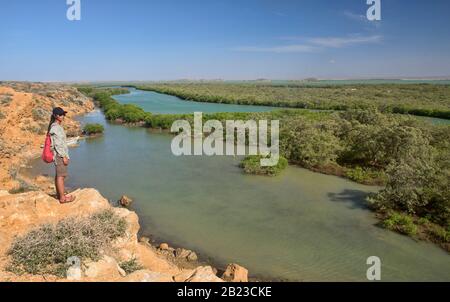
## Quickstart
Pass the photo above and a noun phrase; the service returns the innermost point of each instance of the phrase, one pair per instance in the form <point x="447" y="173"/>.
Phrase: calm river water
<point x="300" y="226"/>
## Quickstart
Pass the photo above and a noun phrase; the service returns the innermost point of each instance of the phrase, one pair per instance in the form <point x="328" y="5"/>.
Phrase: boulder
<point x="235" y="273"/>
<point x="203" y="274"/>
<point x="164" y="246"/>
<point x="125" y="201"/>
<point x="192" y="256"/>
<point x="184" y="275"/>
<point x="182" y="253"/>
<point x="105" y="269"/>
<point x="145" y="240"/>
<point x="186" y="254"/>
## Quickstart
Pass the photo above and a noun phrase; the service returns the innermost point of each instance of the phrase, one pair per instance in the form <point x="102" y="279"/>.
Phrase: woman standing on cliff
<point x="61" y="153"/>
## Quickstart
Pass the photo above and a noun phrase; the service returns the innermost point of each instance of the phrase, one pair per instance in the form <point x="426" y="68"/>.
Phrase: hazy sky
<point x="227" y="39"/>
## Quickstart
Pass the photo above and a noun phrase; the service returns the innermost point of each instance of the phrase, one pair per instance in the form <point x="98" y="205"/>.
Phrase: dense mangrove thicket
<point x="417" y="99"/>
<point x="409" y="157"/>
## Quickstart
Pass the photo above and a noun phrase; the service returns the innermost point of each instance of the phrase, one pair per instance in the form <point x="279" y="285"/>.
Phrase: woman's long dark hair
<point x="52" y="120"/>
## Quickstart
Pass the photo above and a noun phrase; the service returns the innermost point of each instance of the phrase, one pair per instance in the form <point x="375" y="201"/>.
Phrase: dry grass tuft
<point x="46" y="249"/>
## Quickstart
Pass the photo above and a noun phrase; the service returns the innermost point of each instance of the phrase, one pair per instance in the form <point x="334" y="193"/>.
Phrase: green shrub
<point x="131" y="266"/>
<point x="401" y="223"/>
<point x="40" y="114"/>
<point x="364" y="175"/>
<point x="252" y="165"/>
<point x="441" y="234"/>
<point x="23" y="185"/>
<point x="132" y="113"/>
<point x="304" y="142"/>
<point x="5" y="99"/>
<point x="46" y="249"/>
<point x="423" y="221"/>
<point x="90" y="129"/>
<point x="113" y="110"/>
<point x="91" y="90"/>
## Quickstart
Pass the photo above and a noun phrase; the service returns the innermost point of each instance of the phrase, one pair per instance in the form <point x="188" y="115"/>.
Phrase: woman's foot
<point x="67" y="199"/>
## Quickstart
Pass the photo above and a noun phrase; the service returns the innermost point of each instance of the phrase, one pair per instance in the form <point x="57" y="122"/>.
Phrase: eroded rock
<point x="235" y="273"/>
<point x="164" y="246"/>
<point x="186" y="254"/>
<point x="203" y="274"/>
<point x="106" y="268"/>
<point x="125" y="201"/>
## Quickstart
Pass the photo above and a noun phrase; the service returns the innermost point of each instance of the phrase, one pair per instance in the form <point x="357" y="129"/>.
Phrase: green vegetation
<point x="440" y="235"/>
<point x="114" y="111"/>
<point x="417" y="227"/>
<point x="40" y="114"/>
<point x="22" y="186"/>
<point x="410" y="157"/>
<point x="401" y="223"/>
<point x="91" y="90"/>
<point x="365" y="176"/>
<point x="5" y="99"/>
<point x="93" y="129"/>
<point x="131" y="266"/>
<point x="415" y="99"/>
<point x="46" y="249"/>
<point x="252" y="165"/>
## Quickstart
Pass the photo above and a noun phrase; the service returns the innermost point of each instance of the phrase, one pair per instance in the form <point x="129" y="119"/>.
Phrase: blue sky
<point x="226" y="39"/>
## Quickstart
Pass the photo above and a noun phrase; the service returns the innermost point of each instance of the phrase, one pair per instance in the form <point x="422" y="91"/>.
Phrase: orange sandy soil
<point x="24" y="117"/>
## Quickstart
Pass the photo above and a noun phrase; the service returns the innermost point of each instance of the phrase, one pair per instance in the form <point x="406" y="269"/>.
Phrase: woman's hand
<point x="66" y="161"/>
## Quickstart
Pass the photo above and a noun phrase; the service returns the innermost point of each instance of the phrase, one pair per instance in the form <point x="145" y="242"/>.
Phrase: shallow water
<point x="298" y="226"/>
<point x="162" y="103"/>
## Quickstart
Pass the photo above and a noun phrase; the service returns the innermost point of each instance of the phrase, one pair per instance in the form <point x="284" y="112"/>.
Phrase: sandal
<point x="68" y="199"/>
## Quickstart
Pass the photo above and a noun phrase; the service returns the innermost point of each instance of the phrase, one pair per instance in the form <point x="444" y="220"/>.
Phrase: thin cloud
<point x="356" y="17"/>
<point x="336" y="42"/>
<point x="278" y="49"/>
<point x="362" y="19"/>
<point x="313" y="44"/>
<point x="292" y="38"/>
<point x="280" y="14"/>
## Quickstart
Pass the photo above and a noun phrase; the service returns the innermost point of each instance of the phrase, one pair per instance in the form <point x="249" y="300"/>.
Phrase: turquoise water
<point x="300" y="226"/>
<point x="162" y="103"/>
<point x="434" y="120"/>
